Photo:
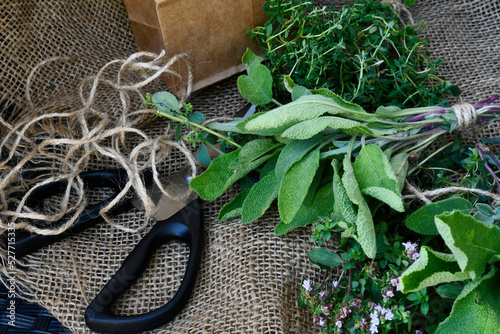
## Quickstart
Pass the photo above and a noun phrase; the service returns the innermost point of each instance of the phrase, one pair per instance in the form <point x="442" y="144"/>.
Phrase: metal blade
<point x="177" y="186"/>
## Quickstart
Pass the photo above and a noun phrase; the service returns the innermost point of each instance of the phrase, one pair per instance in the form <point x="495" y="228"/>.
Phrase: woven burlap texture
<point x="249" y="278"/>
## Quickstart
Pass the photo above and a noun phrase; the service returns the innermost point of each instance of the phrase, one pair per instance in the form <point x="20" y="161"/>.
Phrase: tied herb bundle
<point x="321" y="156"/>
<point x="363" y="52"/>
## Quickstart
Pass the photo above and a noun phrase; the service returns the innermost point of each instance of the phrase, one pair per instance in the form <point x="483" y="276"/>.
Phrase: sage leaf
<point x="373" y="170"/>
<point x="295" y="185"/>
<point x="305" y="108"/>
<point x="321" y="205"/>
<point x="422" y="220"/>
<point x="256" y="88"/>
<point x="399" y="164"/>
<point x="219" y="176"/>
<point x="255" y="149"/>
<point x="343" y="208"/>
<point x="260" y="198"/>
<point x="233" y="208"/>
<point x="262" y="132"/>
<point x="293" y="152"/>
<point x="165" y="101"/>
<point x="472" y="242"/>
<point x="249" y="59"/>
<point x="430" y="269"/>
<point x="325" y="258"/>
<point x="476" y="309"/>
<point x="309" y="128"/>
<point x="364" y="220"/>
<point x="298" y="91"/>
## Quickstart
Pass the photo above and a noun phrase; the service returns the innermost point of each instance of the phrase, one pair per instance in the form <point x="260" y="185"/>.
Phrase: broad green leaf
<point x="390" y="197"/>
<point x="260" y="198"/>
<point x="263" y="132"/>
<point x="293" y="152"/>
<point x="387" y="110"/>
<point x="257" y="87"/>
<point x="325" y="257"/>
<point x="196" y="117"/>
<point x="364" y="220"/>
<point x="305" y="108"/>
<point x="321" y="205"/>
<point x="309" y="128"/>
<point x="295" y="185"/>
<point x="343" y="208"/>
<point x="373" y="170"/>
<point x="165" y="101"/>
<point x="449" y="291"/>
<point x="476" y="309"/>
<point x="219" y="176"/>
<point x="226" y="126"/>
<point x="298" y="91"/>
<point x="422" y="220"/>
<point x="472" y="242"/>
<point x="344" y="105"/>
<point x="249" y="59"/>
<point x="203" y="156"/>
<point x="431" y="268"/>
<point x="399" y="164"/>
<point x="255" y="149"/>
<point x="233" y="208"/>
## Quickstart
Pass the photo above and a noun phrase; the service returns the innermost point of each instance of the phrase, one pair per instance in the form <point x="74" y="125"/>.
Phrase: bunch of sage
<point x="320" y="155"/>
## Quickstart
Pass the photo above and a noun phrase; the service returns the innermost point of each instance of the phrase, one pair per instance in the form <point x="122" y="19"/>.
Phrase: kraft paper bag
<point x="211" y="32"/>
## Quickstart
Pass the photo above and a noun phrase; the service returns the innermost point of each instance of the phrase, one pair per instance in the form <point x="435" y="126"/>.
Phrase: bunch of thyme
<point x="363" y="52"/>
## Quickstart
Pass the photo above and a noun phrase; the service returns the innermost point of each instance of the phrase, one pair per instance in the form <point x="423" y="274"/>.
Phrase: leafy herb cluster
<point x="362" y="52"/>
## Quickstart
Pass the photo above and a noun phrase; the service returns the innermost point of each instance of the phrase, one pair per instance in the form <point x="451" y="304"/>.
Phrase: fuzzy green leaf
<point x="476" y="309"/>
<point x="399" y="164"/>
<point x="249" y="59"/>
<point x="431" y="268"/>
<point x="325" y="258"/>
<point x="305" y="108"/>
<point x="422" y="220"/>
<point x="260" y="198"/>
<point x="364" y="220"/>
<point x="321" y="205"/>
<point x="196" y="117"/>
<point x="219" y="176"/>
<point x="165" y="101"/>
<point x="473" y="243"/>
<point x="373" y="170"/>
<point x="233" y="208"/>
<point x="343" y="208"/>
<point x="256" y="88"/>
<point x="309" y="128"/>
<point x="298" y="91"/>
<point x="295" y="185"/>
<point x="255" y="149"/>
<point x="293" y="152"/>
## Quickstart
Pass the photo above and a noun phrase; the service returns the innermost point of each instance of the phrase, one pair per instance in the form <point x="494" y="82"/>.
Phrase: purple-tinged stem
<point x="422" y="116"/>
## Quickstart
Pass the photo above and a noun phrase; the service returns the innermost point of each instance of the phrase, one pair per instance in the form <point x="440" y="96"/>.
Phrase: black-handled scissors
<point x="176" y="220"/>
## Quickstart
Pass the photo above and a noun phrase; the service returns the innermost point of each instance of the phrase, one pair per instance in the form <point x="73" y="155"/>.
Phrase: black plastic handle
<point x="26" y="242"/>
<point x="186" y="226"/>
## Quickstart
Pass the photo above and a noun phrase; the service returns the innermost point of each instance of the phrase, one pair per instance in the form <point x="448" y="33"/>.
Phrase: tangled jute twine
<point x="91" y="133"/>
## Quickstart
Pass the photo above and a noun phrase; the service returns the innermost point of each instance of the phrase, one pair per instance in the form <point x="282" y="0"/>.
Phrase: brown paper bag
<point x="211" y="32"/>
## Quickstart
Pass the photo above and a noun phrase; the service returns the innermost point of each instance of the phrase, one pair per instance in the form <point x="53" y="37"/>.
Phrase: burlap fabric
<point x="249" y="279"/>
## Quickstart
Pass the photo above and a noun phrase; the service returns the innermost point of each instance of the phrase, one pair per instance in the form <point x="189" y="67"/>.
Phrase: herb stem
<point x="184" y="120"/>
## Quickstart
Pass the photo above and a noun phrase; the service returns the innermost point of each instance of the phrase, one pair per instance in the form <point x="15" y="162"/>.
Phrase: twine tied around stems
<point x="466" y="116"/>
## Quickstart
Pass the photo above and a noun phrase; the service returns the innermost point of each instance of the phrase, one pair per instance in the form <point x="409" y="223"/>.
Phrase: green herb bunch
<point x="363" y="52"/>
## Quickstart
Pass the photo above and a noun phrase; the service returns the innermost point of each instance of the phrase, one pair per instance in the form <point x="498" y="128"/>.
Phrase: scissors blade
<point x="178" y="196"/>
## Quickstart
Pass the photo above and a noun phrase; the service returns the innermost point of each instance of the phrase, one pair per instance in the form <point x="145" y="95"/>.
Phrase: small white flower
<point x="389" y="293"/>
<point x="389" y="315"/>
<point x="321" y="321"/>
<point x="339" y="324"/>
<point x="373" y="329"/>
<point x="415" y="256"/>
<point x="374" y="317"/>
<point x="307" y="285"/>
<point x="335" y="283"/>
